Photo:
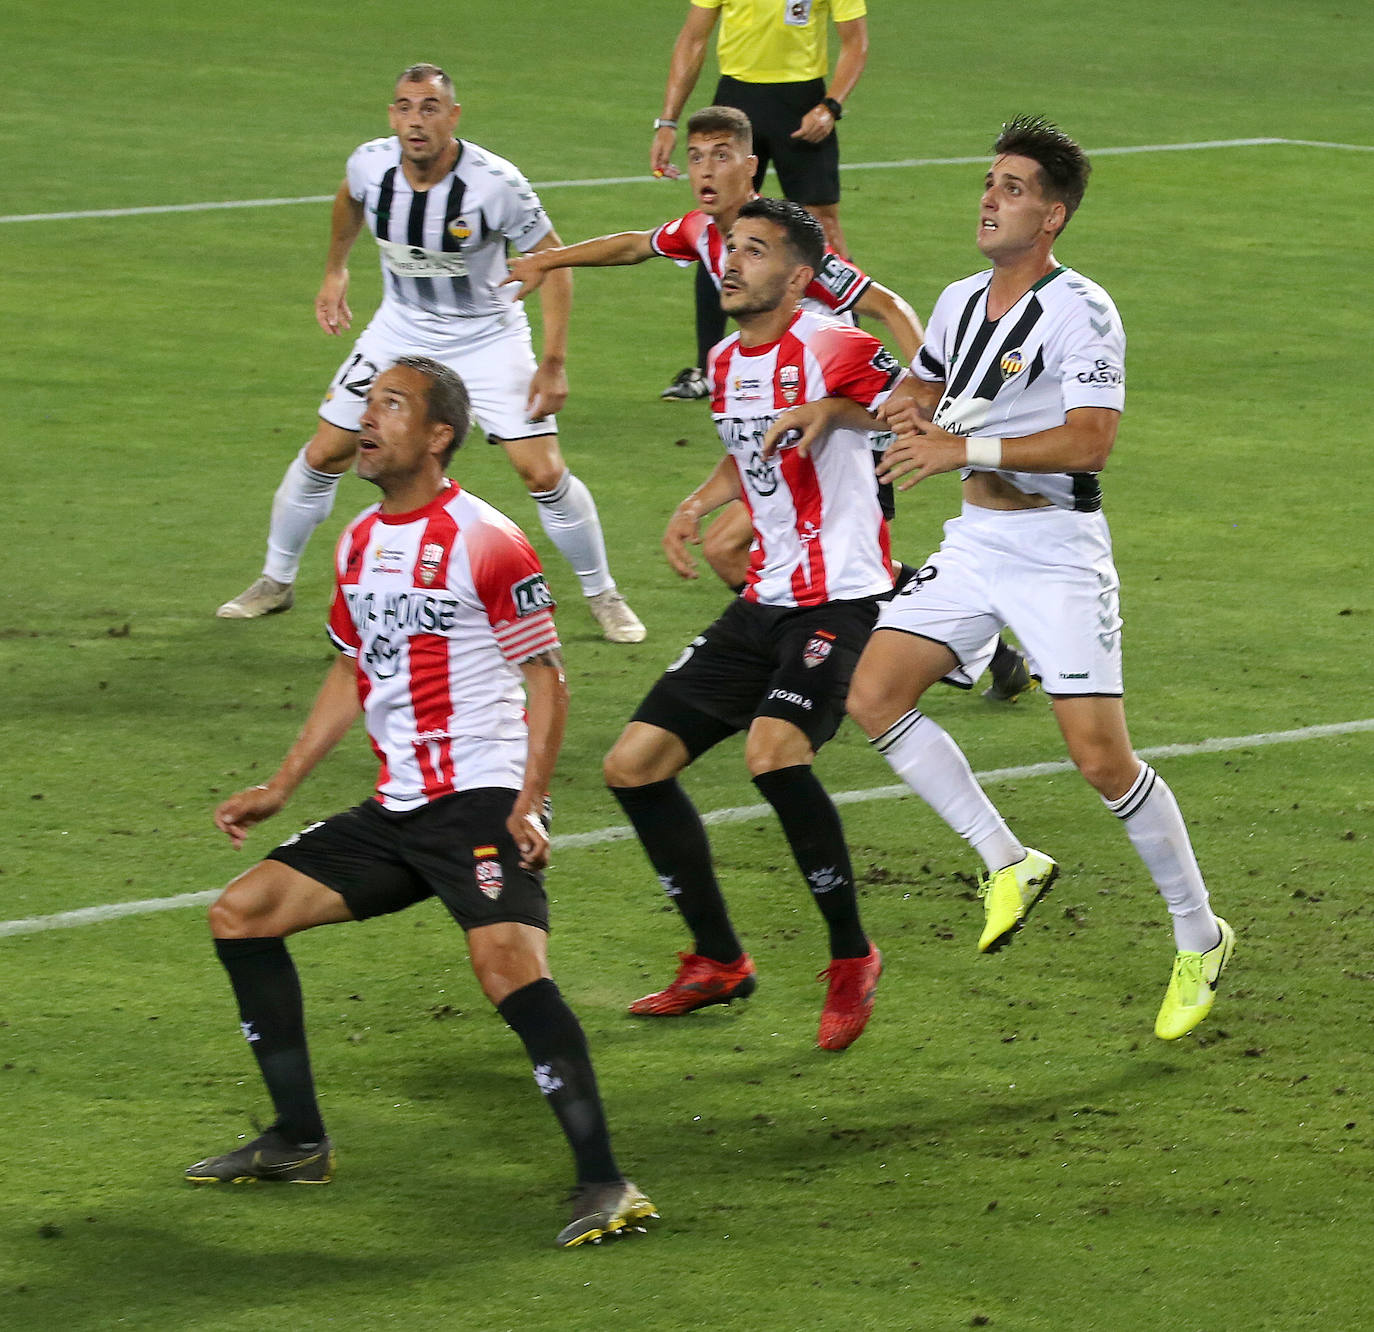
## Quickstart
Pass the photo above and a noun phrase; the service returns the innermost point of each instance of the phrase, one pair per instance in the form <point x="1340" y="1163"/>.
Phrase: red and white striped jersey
<point x="695" y="238"/>
<point x="438" y="608"/>
<point x="819" y="533"/>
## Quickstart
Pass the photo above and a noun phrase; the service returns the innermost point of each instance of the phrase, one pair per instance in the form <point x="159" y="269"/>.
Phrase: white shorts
<point x="492" y="355"/>
<point x="1045" y="573"/>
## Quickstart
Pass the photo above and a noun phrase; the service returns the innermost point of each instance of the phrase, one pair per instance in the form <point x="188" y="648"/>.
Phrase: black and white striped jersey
<point x="1059" y="347"/>
<point x="443" y="250"/>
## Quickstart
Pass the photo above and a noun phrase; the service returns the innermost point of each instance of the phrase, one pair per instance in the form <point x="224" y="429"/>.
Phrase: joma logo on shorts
<point x="787" y="696"/>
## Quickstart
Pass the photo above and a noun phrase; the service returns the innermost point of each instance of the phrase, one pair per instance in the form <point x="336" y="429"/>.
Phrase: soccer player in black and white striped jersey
<point x="1020" y="386"/>
<point x="443" y="212"/>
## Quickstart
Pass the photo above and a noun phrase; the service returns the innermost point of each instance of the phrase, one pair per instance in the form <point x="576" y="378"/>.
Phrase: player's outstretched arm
<point x="807" y="424"/>
<point x="335" y="708"/>
<point x="684" y="527"/>
<point x="901" y="321"/>
<point x="684" y="68"/>
<point x="624" y="247"/>
<point x="546" y="711"/>
<point x="331" y="304"/>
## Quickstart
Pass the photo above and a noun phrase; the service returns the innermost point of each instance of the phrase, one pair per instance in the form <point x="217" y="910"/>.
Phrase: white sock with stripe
<point x="1155" y="826"/>
<point x="924" y="756"/>
<point x="303" y="501"/>
<point x="569" y="518"/>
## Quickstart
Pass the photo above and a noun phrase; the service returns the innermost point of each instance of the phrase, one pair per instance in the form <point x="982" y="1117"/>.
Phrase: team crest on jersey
<point x="487" y="868"/>
<point x="817" y="649"/>
<point x="789" y="381"/>
<point x="1013" y="363"/>
<point x="531" y="595"/>
<point x="431" y="557"/>
<point x="459" y="229"/>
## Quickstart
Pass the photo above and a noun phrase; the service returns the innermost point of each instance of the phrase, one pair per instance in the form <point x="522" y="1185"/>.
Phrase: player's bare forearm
<point x="334" y="711"/>
<point x="808" y="423"/>
<point x="546" y="711"/>
<point x="901" y="321"/>
<point x="624" y="247"/>
<point x="331" y="302"/>
<point x="1081" y="444"/>
<point x="684" y="524"/>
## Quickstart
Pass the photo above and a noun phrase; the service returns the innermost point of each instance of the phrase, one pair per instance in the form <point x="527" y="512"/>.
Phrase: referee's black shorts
<point x="790" y="662"/>
<point x="455" y="848"/>
<point x="808" y="173"/>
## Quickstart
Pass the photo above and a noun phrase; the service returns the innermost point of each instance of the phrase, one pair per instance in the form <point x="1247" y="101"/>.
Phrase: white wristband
<point x="984" y="451"/>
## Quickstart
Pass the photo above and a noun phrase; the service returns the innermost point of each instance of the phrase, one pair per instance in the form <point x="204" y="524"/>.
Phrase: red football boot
<point x="699" y="981"/>
<point x="849" y="1000"/>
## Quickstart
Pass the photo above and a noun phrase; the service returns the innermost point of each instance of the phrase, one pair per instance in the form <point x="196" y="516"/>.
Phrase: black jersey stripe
<point x="967" y="315"/>
<point x="386" y="194"/>
<point x="992" y="377"/>
<point x="415" y="235"/>
<point x="1087" y="492"/>
<point x="459" y="287"/>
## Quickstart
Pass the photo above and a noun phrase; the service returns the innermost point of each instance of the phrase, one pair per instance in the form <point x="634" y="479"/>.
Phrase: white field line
<point x="643" y="179"/>
<point x="736" y="814"/>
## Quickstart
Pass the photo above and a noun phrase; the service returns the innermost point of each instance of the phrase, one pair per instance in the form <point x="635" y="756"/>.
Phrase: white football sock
<point x="1157" y="831"/>
<point x="302" y="502"/>
<point x="568" y="515"/>
<point x="924" y="756"/>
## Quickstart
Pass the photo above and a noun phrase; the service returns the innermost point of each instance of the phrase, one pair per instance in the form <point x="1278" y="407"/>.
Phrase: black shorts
<point x="791" y="662"/>
<point x="808" y="173"/>
<point x="456" y="849"/>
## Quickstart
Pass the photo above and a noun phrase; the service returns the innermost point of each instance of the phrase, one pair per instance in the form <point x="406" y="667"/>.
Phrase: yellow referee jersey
<point x="777" y="41"/>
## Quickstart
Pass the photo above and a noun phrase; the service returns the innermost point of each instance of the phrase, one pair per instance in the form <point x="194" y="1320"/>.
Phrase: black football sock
<point x="674" y="839"/>
<point x="557" y="1048"/>
<point x="710" y="317"/>
<point x="811" y="824"/>
<point x="272" y="1016"/>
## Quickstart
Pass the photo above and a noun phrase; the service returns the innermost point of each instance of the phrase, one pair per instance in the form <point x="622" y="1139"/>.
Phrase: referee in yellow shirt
<point x="773" y="60"/>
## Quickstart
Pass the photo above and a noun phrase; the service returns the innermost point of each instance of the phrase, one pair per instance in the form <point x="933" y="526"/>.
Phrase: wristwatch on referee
<point x="835" y="108"/>
<point x="661" y="122"/>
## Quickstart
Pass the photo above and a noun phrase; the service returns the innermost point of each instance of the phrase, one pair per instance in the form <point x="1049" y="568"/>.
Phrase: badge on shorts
<point x="1013" y="363"/>
<point x="817" y="649"/>
<point x="431" y="557"/>
<point x="789" y="381"/>
<point x="488" y="871"/>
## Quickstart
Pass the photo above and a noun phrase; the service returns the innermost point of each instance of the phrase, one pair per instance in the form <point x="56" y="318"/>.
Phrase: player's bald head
<point x="428" y="74"/>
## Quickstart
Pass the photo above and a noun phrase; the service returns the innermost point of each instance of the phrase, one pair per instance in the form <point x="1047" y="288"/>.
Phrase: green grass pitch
<point x="1008" y="1146"/>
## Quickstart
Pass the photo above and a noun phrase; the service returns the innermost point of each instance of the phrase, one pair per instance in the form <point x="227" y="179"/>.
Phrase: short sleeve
<point x="679" y="238"/>
<point x="929" y="364"/>
<point x="856" y="365"/>
<point x="839" y="284"/>
<point x="515" y="211"/>
<point x="511" y="587"/>
<point x="1092" y="354"/>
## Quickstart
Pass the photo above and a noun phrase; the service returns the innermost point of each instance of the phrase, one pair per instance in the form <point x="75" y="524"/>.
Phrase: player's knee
<point x="1108" y="772"/>
<point x="331" y="449"/>
<point x="868" y="707"/>
<point x="230" y="918"/>
<point x="620" y="768"/>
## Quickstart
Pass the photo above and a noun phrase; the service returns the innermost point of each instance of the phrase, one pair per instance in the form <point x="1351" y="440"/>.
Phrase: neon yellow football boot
<point x="1008" y="896"/>
<point x="1193" y="987"/>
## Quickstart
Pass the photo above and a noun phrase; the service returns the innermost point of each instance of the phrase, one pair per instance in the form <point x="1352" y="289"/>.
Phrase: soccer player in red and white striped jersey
<point x="777" y="663"/>
<point x="448" y="649"/>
